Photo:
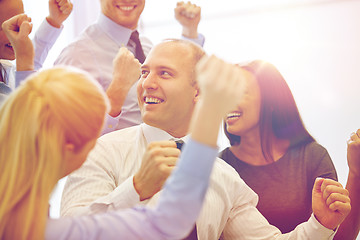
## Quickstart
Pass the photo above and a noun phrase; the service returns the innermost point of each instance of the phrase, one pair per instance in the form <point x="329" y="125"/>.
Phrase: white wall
<point x="314" y="44"/>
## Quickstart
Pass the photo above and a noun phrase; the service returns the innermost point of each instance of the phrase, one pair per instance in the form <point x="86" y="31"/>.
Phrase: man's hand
<point x="158" y="162"/>
<point x="330" y="202"/>
<point x="353" y="154"/>
<point x="222" y="84"/>
<point x="17" y="30"/>
<point x="126" y="71"/>
<point x="188" y="15"/>
<point x="59" y="11"/>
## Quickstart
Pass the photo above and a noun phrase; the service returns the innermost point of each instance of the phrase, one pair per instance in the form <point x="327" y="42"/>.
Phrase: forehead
<point x="251" y="84"/>
<point x="10" y="8"/>
<point x="172" y="55"/>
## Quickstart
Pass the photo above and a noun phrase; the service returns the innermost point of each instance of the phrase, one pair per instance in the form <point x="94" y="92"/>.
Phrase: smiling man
<point x="97" y="52"/>
<point x="116" y="176"/>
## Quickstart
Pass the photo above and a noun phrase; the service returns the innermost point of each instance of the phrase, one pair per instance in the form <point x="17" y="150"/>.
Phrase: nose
<point x="149" y="81"/>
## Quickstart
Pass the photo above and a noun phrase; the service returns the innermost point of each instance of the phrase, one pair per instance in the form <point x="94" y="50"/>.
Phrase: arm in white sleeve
<point x="246" y="222"/>
<point x="200" y="40"/>
<point x="45" y="38"/>
<point x="94" y="187"/>
<point x="174" y="216"/>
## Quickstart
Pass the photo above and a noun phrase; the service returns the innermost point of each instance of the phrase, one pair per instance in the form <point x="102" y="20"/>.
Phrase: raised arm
<point x="59" y="11"/>
<point x="50" y="30"/>
<point x="126" y="71"/>
<point x="17" y="29"/>
<point x="189" y="15"/>
<point x="350" y="228"/>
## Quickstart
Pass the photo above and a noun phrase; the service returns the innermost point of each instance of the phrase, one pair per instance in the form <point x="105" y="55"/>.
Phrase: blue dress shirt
<point x="94" y="51"/>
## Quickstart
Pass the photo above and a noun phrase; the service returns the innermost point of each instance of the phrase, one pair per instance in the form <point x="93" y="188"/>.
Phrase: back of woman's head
<point x="279" y="114"/>
<point x="50" y="109"/>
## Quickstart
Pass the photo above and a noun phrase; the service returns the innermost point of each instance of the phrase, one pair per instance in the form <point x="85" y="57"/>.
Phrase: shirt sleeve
<point x="20" y="76"/>
<point x="93" y="187"/>
<point x="200" y="40"/>
<point x="172" y="218"/>
<point x="246" y="222"/>
<point x="44" y="39"/>
<point x="110" y="123"/>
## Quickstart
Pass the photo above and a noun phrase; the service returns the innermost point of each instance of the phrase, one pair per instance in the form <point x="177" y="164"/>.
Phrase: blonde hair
<point x="52" y="108"/>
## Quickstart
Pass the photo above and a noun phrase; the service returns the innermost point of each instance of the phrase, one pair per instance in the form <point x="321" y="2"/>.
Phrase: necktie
<point x="139" y="53"/>
<point x="179" y="144"/>
<point x="193" y="234"/>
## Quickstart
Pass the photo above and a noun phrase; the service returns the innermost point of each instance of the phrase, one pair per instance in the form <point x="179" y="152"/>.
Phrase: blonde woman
<point x="49" y="124"/>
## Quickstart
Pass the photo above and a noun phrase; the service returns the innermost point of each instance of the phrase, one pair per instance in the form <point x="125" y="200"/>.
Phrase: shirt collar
<point x="153" y="134"/>
<point x="116" y="32"/>
<point x="7" y="65"/>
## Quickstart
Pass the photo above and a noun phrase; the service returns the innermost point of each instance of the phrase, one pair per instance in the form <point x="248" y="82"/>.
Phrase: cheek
<point x="139" y="91"/>
<point x="3" y="38"/>
<point x="139" y="88"/>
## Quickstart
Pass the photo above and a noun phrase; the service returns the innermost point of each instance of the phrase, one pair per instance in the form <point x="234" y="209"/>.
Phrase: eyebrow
<point x="160" y="67"/>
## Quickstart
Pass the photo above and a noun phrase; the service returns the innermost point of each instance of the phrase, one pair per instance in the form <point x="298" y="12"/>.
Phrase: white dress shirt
<point x="172" y="218"/>
<point x="105" y="182"/>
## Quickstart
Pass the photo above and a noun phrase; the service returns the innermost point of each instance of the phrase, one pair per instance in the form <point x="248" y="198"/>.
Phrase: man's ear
<point x="69" y="147"/>
<point x="197" y="94"/>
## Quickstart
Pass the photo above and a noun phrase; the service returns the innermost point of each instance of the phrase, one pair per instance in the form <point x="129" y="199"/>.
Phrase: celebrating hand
<point x="17" y="30"/>
<point x="221" y="84"/>
<point x="330" y="202"/>
<point x="126" y="71"/>
<point x="188" y="15"/>
<point x="59" y="11"/>
<point x="353" y="153"/>
<point x="158" y="162"/>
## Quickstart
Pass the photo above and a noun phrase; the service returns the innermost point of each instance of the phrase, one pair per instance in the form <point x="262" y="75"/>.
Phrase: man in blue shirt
<point x="96" y="51"/>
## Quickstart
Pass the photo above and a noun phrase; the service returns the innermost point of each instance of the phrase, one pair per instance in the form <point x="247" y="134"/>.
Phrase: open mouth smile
<point x="153" y="100"/>
<point x="126" y="8"/>
<point x="234" y="115"/>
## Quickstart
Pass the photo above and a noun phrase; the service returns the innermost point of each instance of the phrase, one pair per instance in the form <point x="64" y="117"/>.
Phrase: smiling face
<point x="245" y="118"/>
<point x="124" y="12"/>
<point x="166" y="94"/>
<point x="8" y="9"/>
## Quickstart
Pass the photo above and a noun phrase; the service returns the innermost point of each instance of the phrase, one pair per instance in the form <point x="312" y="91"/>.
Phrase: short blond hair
<point x="50" y="109"/>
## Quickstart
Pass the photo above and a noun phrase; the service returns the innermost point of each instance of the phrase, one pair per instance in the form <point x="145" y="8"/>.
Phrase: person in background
<point x="350" y="228"/>
<point x="112" y="45"/>
<point x="56" y="129"/>
<point x="116" y="176"/>
<point x="44" y="39"/>
<point x="271" y="149"/>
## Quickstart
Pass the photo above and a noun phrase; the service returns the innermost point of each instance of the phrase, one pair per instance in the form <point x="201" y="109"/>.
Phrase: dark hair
<point x="279" y="114"/>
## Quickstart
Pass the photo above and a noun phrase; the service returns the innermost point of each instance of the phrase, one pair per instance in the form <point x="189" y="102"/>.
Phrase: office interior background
<point x="314" y="43"/>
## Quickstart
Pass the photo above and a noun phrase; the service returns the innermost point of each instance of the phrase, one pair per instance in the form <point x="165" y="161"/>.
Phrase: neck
<point x="250" y="151"/>
<point x="177" y="134"/>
